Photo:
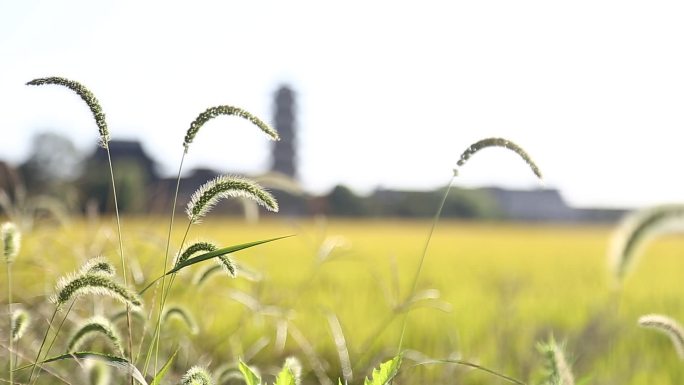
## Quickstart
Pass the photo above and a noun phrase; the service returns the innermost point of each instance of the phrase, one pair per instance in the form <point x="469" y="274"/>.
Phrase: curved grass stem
<point x="9" y="329"/>
<point x="121" y="255"/>
<point x="422" y="259"/>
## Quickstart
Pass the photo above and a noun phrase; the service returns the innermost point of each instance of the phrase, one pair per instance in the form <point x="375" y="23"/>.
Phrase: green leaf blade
<point x="250" y="377"/>
<point x="384" y="374"/>
<point x="220" y="252"/>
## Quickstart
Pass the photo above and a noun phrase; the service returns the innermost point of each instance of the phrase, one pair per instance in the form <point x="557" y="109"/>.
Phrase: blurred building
<point x="284" y="119"/>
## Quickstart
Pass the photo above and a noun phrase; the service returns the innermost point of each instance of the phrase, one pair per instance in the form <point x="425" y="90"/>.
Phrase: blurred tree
<point x="53" y="160"/>
<point x="343" y="202"/>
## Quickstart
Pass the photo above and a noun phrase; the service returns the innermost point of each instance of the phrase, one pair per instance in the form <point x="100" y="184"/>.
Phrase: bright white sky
<point x="389" y="93"/>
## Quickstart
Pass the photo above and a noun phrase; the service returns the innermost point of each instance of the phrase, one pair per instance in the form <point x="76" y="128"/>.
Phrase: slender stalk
<point x="40" y="349"/>
<point x="422" y="259"/>
<point x="166" y="256"/>
<point x="157" y="331"/>
<point x="59" y="328"/>
<point x="474" y="366"/>
<point x="9" y="314"/>
<point x="54" y="338"/>
<point x="121" y="254"/>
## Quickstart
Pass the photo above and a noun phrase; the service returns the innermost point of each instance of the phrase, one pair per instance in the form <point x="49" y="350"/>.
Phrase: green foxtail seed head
<point x="497" y="142"/>
<point x="559" y="372"/>
<point x="182" y="314"/>
<point x="210" y="193"/>
<point x="668" y="326"/>
<point x="227" y="265"/>
<point x="11" y="241"/>
<point x="636" y="229"/>
<point x="87" y="97"/>
<point x="92" y="327"/>
<point x="213" y="112"/>
<point x="196" y="376"/>
<point x="20" y="323"/>
<point x="74" y="286"/>
<point x="197" y="247"/>
<point x="97" y="265"/>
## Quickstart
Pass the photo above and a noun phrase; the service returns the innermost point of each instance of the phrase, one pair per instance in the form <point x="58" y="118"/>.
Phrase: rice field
<point x="334" y="296"/>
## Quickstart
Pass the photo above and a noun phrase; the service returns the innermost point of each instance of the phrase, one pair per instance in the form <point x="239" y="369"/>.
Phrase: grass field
<point x="502" y="289"/>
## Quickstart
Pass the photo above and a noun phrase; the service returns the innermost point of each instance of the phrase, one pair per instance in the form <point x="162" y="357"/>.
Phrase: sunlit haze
<point x="388" y="93"/>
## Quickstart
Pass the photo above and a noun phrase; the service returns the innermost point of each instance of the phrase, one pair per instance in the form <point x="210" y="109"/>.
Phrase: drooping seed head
<point x="213" y="112"/>
<point x="636" y="229"/>
<point x="181" y="313"/>
<point x="227" y="265"/>
<point x="11" y="241"/>
<point x="193" y="249"/>
<point x="666" y="325"/>
<point x="20" y="323"/>
<point x="93" y="327"/>
<point x="559" y="371"/>
<point x="295" y="367"/>
<point x="210" y="193"/>
<point x="97" y="265"/>
<point x="497" y="142"/>
<point x="197" y="375"/>
<point x="87" y="97"/>
<point x="75" y="286"/>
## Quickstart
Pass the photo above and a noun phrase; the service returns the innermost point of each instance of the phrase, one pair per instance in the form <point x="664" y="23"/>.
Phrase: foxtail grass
<point x="497" y="142"/>
<point x="97" y="265"/>
<point x="636" y="230"/>
<point x="558" y="368"/>
<point x="99" y="116"/>
<point x="11" y="243"/>
<point x="21" y="320"/>
<point x="183" y="314"/>
<point x="197" y="375"/>
<point x="72" y="287"/>
<point x="467" y="154"/>
<point x="668" y="326"/>
<point x="210" y="193"/>
<point x="92" y="327"/>
<point x="207" y="115"/>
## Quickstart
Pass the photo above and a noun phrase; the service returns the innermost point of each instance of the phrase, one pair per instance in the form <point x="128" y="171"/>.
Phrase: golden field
<point x="501" y="288"/>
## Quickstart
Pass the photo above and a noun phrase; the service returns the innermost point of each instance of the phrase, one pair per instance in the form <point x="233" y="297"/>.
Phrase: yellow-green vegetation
<point x="488" y="294"/>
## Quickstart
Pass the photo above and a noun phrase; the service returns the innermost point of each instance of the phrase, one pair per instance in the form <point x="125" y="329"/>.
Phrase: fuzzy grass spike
<point x="96" y="284"/>
<point x="11" y="241"/>
<point x="95" y="326"/>
<point x="20" y="323"/>
<point x="193" y="249"/>
<point x="559" y="372"/>
<point x="668" y="326"/>
<point x="213" y="112"/>
<point x="87" y="97"/>
<point x="97" y="265"/>
<point x="196" y="376"/>
<point x="636" y="230"/>
<point x="183" y="314"/>
<point x="497" y="142"/>
<point x="209" y="194"/>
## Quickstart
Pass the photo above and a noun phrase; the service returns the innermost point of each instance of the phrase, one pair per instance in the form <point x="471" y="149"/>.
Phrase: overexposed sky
<point x="389" y="93"/>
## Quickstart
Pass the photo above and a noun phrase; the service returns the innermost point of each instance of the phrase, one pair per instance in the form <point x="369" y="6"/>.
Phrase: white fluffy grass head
<point x="11" y="241"/>
<point x="97" y="265"/>
<point x="197" y="375"/>
<point x="20" y="323"/>
<point x="76" y="285"/>
<point x="92" y="327"/>
<point x="221" y="187"/>
<point x="636" y="230"/>
<point x="668" y="326"/>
